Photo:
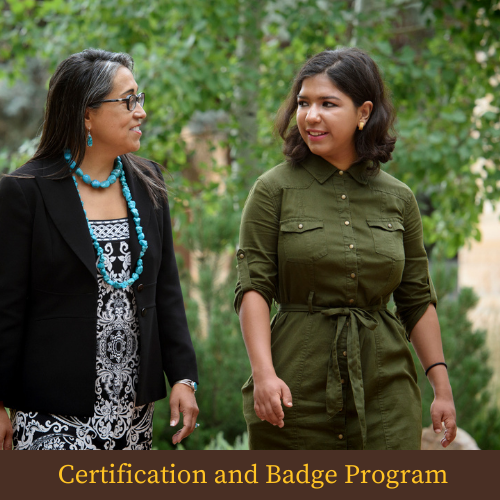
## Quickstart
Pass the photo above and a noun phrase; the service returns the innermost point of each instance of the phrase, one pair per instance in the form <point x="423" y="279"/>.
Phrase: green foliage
<point x="222" y="360"/>
<point x="467" y="358"/>
<point x="440" y="60"/>
<point x="220" y="443"/>
<point x="11" y="160"/>
<point x="20" y="106"/>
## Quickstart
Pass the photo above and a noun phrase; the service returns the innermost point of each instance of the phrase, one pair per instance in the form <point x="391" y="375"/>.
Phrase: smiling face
<point x="115" y="130"/>
<point x="327" y="120"/>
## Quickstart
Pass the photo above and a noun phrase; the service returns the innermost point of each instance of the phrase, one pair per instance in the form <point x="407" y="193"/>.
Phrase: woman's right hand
<point x="5" y="430"/>
<point x="267" y="394"/>
<point x="268" y="389"/>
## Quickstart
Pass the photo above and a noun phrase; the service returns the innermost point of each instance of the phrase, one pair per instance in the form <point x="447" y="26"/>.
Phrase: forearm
<point x="256" y="330"/>
<point x="426" y="340"/>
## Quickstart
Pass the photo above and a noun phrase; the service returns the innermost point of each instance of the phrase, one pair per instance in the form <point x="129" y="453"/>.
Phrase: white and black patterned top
<point x="117" y="423"/>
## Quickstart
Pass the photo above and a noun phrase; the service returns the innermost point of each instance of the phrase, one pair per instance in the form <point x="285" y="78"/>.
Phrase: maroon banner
<point x="248" y="474"/>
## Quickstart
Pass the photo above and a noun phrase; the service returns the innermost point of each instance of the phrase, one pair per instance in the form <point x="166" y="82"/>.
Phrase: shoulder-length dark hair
<point x="81" y="81"/>
<point x="355" y="74"/>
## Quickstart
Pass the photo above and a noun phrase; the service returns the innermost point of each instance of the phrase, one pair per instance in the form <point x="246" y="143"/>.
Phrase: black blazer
<point x="48" y="297"/>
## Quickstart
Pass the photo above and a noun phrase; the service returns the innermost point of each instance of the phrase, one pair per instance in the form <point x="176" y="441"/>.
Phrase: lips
<point x="136" y="129"/>
<point x="316" y="135"/>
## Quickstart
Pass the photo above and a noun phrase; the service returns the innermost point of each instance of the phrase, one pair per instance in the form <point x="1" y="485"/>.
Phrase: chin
<point x="317" y="150"/>
<point x="131" y="149"/>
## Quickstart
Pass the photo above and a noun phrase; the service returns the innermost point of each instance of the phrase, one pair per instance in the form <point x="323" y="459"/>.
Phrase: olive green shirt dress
<point x="330" y="247"/>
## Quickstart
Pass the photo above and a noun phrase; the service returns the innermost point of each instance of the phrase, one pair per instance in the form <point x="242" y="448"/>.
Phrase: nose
<point x="313" y="115"/>
<point x="139" y="111"/>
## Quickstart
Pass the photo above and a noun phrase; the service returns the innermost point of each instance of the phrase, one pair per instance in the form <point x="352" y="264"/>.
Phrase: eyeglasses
<point x="131" y="100"/>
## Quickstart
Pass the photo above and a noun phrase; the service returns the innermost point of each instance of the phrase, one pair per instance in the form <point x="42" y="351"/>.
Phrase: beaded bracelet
<point x="435" y="364"/>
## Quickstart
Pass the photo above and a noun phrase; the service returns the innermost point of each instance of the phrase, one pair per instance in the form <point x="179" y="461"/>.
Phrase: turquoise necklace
<point x="116" y="173"/>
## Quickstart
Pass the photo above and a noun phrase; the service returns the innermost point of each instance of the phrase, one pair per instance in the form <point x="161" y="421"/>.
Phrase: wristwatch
<point x="188" y="382"/>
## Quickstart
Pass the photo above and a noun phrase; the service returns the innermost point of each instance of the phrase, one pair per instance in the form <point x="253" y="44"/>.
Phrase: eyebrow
<point x="128" y="92"/>
<point x="323" y="97"/>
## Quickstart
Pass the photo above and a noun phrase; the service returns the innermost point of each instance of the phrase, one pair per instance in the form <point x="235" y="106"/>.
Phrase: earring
<point x="89" y="140"/>
<point x="361" y="125"/>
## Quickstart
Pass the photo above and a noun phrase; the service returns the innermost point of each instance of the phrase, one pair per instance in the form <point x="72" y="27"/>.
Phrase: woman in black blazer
<point x="92" y="314"/>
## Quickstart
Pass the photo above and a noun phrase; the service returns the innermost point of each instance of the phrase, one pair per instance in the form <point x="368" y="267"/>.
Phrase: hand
<point x="182" y="400"/>
<point x="5" y="430"/>
<point x="443" y="411"/>
<point x="267" y="395"/>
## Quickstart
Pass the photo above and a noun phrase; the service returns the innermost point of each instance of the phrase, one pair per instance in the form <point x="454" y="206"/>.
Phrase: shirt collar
<point x="322" y="170"/>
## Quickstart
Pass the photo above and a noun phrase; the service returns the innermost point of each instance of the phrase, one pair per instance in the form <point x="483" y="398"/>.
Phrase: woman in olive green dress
<point x="329" y="237"/>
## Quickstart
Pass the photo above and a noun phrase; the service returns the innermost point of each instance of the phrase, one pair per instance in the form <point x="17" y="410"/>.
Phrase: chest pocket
<point x="388" y="237"/>
<point x="304" y="239"/>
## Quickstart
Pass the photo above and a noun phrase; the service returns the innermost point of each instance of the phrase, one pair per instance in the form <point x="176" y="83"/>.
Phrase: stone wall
<point x="479" y="268"/>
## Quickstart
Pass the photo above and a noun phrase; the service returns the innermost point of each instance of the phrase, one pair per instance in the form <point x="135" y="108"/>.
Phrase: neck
<point x="343" y="160"/>
<point x="97" y="164"/>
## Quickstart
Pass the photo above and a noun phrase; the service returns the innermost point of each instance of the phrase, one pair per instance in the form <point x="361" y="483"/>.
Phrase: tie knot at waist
<point x="362" y="316"/>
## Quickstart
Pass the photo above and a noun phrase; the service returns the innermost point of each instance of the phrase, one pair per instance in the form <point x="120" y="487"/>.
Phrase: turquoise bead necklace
<point x="116" y="173"/>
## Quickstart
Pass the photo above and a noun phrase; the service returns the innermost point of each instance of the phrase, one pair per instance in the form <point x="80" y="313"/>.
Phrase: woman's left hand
<point x="443" y="412"/>
<point x="182" y="400"/>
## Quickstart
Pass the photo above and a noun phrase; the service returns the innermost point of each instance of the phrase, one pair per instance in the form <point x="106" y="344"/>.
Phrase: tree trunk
<point x="245" y="163"/>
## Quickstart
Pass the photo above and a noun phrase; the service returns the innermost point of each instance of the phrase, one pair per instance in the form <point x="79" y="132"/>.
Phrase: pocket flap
<point x="387" y="224"/>
<point x="300" y="225"/>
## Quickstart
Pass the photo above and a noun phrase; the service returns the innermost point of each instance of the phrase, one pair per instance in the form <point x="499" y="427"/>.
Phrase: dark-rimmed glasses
<point x="131" y="100"/>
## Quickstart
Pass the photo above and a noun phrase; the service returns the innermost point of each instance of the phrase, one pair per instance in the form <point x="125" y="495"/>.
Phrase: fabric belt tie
<point x="358" y="318"/>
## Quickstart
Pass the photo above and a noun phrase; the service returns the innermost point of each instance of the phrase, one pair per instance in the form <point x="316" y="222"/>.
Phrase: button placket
<point x="339" y="421"/>
<point x="341" y="185"/>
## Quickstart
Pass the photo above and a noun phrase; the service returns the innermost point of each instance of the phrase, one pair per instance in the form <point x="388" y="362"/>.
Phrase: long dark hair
<point x="79" y="82"/>
<point x="355" y="74"/>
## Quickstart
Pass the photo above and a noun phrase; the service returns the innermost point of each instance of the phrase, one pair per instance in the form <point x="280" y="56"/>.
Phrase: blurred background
<point x="215" y="73"/>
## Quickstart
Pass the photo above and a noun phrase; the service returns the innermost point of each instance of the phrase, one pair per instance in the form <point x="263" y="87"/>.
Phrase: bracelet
<point x="435" y="364"/>
<point x="188" y="382"/>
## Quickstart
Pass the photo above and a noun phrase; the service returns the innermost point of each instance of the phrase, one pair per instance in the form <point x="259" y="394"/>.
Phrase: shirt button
<point x="353" y="275"/>
<point x="351" y="246"/>
<point x="346" y="222"/>
<point x="140" y="287"/>
<point x="341" y="172"/>
<point x="301" y="226"/>
<point x="345" y="353"/>
<point x="389" y="225"/>
<point x="342" y="381"/>
<point x="144" y="311"/>
<point x="341" y="436"/>
<point x="242" y="255"/>
<point x="343" y="196"/>
<point x="351" y="301"/>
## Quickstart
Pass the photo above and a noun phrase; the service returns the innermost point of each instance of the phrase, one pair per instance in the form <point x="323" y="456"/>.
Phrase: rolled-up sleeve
<point x="416" y="290"/>
<point x="257" y="256"/>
